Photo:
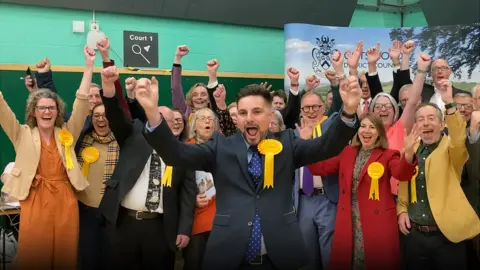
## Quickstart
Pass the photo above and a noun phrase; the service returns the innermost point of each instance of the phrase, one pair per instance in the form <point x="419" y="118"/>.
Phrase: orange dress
<point x="49" y="222"/>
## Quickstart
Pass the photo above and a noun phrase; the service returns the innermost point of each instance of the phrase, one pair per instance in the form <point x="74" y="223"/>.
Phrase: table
<point x="6" y="210"/>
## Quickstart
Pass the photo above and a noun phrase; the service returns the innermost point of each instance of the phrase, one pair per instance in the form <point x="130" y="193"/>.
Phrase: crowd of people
<point x="359" y="179"/>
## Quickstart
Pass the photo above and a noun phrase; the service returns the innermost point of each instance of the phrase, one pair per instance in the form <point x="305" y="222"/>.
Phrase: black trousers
<point x="91" y="238"/>
<point x="194" y="251"/>
<point x="433" y="251"/>
<point x="137" y="244"/>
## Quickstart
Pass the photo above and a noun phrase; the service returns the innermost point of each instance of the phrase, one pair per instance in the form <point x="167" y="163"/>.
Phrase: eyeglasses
<point x="97" y="116"/>
<point x="178" y="120"/>
<point x="313" y="108"/>
<point x="465" y="106"/>
<point x="441" y="68"/>
<point x="44" y="108"/>
<point x="204" y="119"/>
<point x="380" y="106"/>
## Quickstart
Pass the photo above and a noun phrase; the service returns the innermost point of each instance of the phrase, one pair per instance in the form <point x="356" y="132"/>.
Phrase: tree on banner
<point x="459" y="44"/>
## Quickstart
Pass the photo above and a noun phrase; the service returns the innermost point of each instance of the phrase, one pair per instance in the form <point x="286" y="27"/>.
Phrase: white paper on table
<point x="205" y="183"/>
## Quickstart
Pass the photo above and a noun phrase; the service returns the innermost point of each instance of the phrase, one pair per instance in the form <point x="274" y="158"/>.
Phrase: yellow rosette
<point x="66" y="139"/>
<point x="269" y="148"/>
<point x="375" y="171"/>
<point x="89" y="155"/>
<point x="413" y="186"/>
<point x="167" y="176"/>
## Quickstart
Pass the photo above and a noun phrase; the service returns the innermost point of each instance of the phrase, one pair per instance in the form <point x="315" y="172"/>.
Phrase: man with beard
<point x="255" y="225"/>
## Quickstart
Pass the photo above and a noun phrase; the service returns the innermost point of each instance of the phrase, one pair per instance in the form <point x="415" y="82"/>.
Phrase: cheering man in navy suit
<point x="255" y="225"/>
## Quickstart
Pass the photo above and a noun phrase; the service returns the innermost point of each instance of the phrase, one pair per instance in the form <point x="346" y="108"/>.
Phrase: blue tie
<point x="255" y="171"/>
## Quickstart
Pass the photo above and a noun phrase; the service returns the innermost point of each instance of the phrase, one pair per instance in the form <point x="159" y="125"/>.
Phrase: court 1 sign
<point x="140" y="49"/>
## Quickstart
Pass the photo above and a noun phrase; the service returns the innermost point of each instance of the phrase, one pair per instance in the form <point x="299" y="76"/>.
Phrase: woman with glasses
<point x="201" y="130"/>
<point x="46" y="175"/>
<point x="180" y="128"/>
<point x="98" y="156"/>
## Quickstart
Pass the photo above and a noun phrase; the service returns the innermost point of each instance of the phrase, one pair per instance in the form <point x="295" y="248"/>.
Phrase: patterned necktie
<point x="307" y="185"/>
<point x="255" y="171"/>
<point x="365" y="106"/>
<point x="154" y="187"/>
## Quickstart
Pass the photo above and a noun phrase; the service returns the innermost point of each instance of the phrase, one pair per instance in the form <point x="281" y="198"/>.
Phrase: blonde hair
<point x="188" y="96"/>
<point x="192" y="132"/>
<point x="32" y="101"/>
<point x="232" y="105"/>
<point x="382" y="140"/>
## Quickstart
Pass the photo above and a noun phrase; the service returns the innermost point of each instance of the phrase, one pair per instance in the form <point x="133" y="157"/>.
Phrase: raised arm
<point x="9" y="121"/>
<point x="292" y="110"/>
<point x="373" y="80"/>
<point x="80" y="105"/>
<point x="415" y="93"/>
<point x="44" y="75"/>
<point x="326" y="167"/>
<point x="178" y="98"/>
<point x="199" y="157"/>
<point x="119" y="122"/>
<point x="103" y="46"/>
<point x="135" y="109"/>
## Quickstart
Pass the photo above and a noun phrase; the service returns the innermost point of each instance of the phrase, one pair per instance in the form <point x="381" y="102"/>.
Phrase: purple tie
<point x="307" y="186"/>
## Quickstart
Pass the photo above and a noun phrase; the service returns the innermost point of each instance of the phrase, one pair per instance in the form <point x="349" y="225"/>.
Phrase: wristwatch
<point x="449" y="106"/>
<point x="347" y="115"/>
<point x="294" y="84"/>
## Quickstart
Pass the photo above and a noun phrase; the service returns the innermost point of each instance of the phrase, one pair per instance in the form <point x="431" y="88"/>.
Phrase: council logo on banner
<point x="322" y="55"/>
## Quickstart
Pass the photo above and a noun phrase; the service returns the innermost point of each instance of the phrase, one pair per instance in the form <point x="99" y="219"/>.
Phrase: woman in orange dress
<point x="201" y="129"/>
<point x="45" y="175"/>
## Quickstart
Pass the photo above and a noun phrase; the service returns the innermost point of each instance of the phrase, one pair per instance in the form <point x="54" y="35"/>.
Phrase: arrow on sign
<point x="147" y="48"/>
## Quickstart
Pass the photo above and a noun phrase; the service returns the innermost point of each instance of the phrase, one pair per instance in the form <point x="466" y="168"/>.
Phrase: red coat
<point x="377" y="218"/>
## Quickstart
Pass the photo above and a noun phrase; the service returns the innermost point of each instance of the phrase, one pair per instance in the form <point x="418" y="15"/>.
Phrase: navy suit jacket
<point x="237" y="198"/>
<point x="330" y="182"/>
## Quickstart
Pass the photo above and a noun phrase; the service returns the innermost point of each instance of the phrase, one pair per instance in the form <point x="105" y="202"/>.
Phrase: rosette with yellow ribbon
<point x="66" y="139"/>
<point x="167" y="176"/>
<point x="89" y="155"/>
<point x="375" y="171"/>
<point x="413" y="186"/>
<point x="269" y="148"/>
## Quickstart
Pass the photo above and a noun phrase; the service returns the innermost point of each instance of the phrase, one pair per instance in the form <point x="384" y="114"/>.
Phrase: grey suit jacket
<point x="237" y="198"/>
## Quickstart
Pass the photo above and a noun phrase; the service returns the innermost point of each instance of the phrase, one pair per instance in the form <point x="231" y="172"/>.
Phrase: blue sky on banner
<point x="301" y="39"/>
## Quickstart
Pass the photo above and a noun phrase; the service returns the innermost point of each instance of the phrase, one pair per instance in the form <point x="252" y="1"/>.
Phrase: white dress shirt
<point x="437" y="99"/>
<point x="317" y="180"/>
<point x="137" y="196"/>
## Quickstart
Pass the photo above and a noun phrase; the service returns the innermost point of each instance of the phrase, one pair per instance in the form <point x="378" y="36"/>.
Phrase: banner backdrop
<point x="309" y="48"/>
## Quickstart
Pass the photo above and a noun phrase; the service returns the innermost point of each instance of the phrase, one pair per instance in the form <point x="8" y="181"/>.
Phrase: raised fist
<point x="312" y="82"/>
<point x="423" y="61"/>
<point x="337" y="59"/>
<point x="43" y="65"/>
<point x="331" y="75"/>
<point x="408" y="47"/>
<point x="130" y="84"/>
<point x="103" y="45"/>
<point x="182" y="50"/>
<point x="212" y="65"/>
<point x="110" y="74"/>
<point x="293" y="74"/>
<point x="89" y="56"/>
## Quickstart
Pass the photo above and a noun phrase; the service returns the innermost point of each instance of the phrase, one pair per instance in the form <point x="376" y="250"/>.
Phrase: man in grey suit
<point x="255" y="227"/>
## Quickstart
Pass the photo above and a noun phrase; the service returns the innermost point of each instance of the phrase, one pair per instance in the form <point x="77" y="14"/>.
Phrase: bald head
<point x="166" y="112"/>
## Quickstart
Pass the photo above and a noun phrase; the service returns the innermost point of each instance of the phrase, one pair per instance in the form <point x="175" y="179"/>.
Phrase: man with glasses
<point x="315" y="197"/>
<point x="440" y="73"/>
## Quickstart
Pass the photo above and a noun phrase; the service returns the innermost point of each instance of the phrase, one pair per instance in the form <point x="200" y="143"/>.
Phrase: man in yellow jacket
<point x="433" y="211"/>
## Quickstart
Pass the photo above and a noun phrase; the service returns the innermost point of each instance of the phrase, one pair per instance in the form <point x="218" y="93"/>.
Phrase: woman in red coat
<point x="366" y="231"/>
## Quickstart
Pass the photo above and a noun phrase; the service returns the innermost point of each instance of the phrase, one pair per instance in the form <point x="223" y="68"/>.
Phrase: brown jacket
<point x="27" y="144"/>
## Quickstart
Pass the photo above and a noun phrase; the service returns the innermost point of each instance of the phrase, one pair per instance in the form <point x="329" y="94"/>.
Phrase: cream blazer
<point x="450" y="208"/>
<point x="27" y="144"/>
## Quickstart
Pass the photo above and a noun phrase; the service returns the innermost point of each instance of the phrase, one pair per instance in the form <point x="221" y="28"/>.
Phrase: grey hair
<point x="405" y="87"/>
<point x="279" y="116"/>
<point x="192" y="133"/>
<point x="474" y="89"/>
<point x="95" y="85"/>
<point x="463" y="95"/>
<point x="392" y="100"/>
<point x="439" y="111"/>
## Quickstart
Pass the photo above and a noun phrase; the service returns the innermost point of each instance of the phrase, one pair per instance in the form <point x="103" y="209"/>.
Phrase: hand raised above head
<point x="89" y="56"/>
<point x="103" y="45"/>
<point x="293" y="74"/>
<point x="182" y="50"/>
<point x="312" y="82"/>
<point x="109" y="76"/>
<point x="408" y="47"/>
<point x="423" y="61"/>
<point x="43" y="65"/>
<point x="373" y="54"/>
<point x="212" y="65"/>
<point x="350" y="93"/>
<point x="395" y="51"/>
<point x="146" y="93"/>
<point x="130" y="86"/>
